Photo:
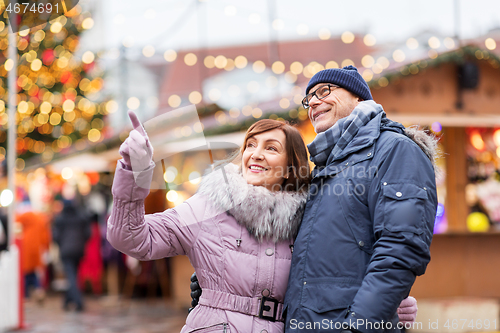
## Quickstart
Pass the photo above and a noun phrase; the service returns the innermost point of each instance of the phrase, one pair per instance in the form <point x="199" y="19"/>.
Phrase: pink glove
<point x="136" y="150"/>
<point x="407" y="310"/>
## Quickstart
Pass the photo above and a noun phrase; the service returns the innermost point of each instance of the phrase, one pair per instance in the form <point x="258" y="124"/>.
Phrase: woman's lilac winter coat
<point x="238" y="238"/>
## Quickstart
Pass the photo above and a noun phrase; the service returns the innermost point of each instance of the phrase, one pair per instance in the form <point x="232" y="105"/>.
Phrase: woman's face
<point x="264" y="161"/>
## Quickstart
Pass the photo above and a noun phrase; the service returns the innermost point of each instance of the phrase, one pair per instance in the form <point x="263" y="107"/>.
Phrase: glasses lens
<point x="322" y="92"/>
<point x="305" y="101"/>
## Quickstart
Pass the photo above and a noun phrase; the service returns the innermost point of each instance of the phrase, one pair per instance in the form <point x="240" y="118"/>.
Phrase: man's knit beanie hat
<point x="347" y="78"/>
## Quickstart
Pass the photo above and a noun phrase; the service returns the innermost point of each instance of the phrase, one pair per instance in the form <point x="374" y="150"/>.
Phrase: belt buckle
<point x="267" y="308"/>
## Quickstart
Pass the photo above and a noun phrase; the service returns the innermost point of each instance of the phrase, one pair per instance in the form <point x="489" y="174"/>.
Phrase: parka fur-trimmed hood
<point x="265" y="214"/>
<point x="427" y="142"/>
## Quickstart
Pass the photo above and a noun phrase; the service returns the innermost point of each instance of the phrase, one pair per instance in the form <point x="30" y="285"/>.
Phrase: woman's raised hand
<point x="136" y="150"/>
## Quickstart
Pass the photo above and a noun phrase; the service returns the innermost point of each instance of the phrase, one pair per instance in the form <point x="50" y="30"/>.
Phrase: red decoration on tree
<point x="48" y="57"/>
<point x="88" y="67"/>
<point x="65" y="78"/>
<point x="68" y="95"/>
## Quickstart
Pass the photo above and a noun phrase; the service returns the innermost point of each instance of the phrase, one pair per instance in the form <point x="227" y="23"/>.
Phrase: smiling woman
<point x="245" y="214"/>
<point x="264" y="160"/>
<point x="274" y="156"/>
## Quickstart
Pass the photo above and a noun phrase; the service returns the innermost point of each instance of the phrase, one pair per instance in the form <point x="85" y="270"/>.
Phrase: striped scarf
<point x="335" y="139"/>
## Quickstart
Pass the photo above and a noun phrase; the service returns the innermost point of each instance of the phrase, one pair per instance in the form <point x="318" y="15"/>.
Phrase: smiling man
<point x="368" y="222"/>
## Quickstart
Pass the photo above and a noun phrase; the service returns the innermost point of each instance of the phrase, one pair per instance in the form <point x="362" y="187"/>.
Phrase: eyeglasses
<point x="320" y="93"/>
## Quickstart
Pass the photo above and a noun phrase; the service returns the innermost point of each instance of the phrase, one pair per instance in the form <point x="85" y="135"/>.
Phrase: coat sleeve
<point x="402" y="201"/>
<point x="152" y="236"/>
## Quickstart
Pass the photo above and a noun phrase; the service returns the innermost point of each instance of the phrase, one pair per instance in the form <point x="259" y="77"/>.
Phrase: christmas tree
<point x="58" y="93"/>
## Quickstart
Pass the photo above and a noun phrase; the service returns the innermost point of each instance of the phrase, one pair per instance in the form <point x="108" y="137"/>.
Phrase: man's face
<point x="324" y="113"/>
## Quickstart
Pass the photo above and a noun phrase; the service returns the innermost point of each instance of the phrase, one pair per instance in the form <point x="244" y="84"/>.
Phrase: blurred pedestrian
<point x="91" y="267"/>
<point x="71" y="230"/>
<point x="35" y="242"/>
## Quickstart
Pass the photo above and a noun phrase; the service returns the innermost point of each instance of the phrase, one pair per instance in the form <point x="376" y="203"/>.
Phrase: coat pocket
<point x="328" y="294"/>
<point x="404" y="207"/>
<point x="222" y="327"/>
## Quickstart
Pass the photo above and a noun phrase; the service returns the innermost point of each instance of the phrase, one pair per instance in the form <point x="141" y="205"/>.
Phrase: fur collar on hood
<point x="427" y="142"/>
<point x="265" y="214"/>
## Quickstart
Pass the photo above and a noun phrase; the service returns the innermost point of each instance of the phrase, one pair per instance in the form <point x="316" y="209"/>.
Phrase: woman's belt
<point x="263" y="307"/>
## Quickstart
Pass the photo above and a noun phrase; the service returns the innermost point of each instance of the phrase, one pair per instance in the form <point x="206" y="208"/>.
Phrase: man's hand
<point x="195" y="291"/>
<point x="407" y="310"/>
<point x="136" y="150"/>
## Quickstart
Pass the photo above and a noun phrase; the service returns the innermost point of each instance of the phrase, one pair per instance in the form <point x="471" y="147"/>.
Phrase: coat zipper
<point x="224" y="328"/>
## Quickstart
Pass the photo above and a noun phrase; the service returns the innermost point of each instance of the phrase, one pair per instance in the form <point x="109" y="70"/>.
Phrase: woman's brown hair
<point x="298" y="165"/>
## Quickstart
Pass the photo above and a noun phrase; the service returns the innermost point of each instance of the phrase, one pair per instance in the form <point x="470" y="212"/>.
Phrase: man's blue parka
<point x="365" y="234"/>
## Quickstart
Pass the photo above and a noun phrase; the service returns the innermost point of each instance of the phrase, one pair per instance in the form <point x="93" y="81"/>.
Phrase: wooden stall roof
<point x="427" y="90"/>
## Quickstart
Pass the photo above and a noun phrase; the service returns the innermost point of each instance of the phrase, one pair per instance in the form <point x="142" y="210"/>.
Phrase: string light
<point x="230" y="65"/>
<point x="111" y="106"/>
<point x="190" y="59"/>
<point x="56" y="27"/>
<point x="174" y="101"/>
<point x="369" y="40"/>
<point x="209" y="61"/>
<point x="284" y="103"/>
<point x="259" y="66"/>
<point x="148" y="51"/>
<point x="296" y="68"/>
<point x="449" y="43"/>
<point x="240" y="62"/>
<point x="331" y="64"/>
<point x="347" y="37"/>
<point x="398" y="55"/>
<point x="133" y="103"/>
<point x="88" y="23"/>
<point x="412" y="43"/>
<point x="347" y="62"/>
<point x="324" y="34"/>
<point x="170" y="55"/>
<point x="256" y="113"/>
<point x="477" y="141"/>
<point x="195" y="97"/>
<point x="88" y="57"/>
<point x="367" y="61"/>
<point x="434" y="42"/>
<point x="220" y="61"/>
<point x="490" y="44"/>
<point x="278" y="67"/>
<point x="496" y="137"/>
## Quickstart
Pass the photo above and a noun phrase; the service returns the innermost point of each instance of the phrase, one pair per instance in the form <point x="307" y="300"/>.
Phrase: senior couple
<point x="276" y="249"/>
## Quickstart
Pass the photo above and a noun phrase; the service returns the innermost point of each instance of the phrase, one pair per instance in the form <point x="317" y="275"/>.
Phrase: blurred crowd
<point x="64" y="249"/>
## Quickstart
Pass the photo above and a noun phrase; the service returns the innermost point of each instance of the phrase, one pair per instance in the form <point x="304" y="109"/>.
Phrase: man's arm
<point x="402" y="201"/>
